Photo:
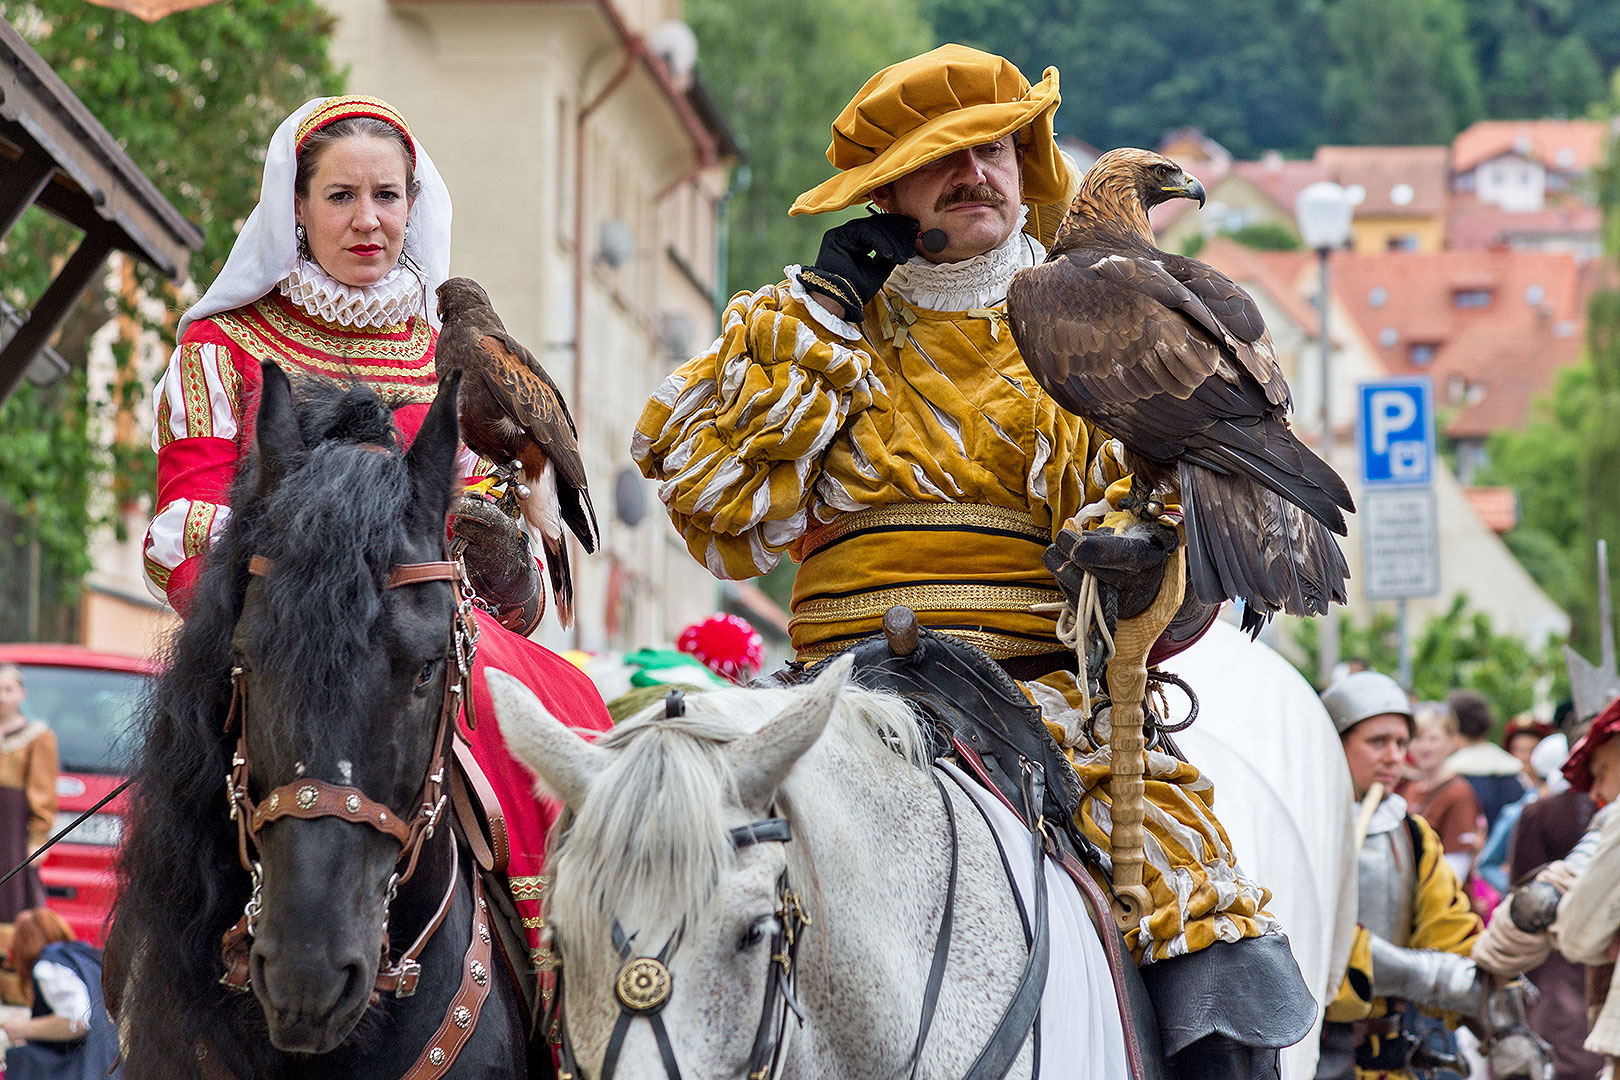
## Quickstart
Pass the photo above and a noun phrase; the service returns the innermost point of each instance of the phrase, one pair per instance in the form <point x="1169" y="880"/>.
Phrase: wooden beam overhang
<point x="55" y="154"/>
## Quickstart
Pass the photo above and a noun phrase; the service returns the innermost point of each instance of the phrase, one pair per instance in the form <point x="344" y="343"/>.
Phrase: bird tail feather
<point x="1270" y="454"/>
<point x="542" y="512"/>
<point x="1249" y="543"/>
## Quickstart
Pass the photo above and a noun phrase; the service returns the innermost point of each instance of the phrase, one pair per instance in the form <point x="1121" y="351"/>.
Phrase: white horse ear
<point x="563" y="761"/>
<point x="761" y="761"/>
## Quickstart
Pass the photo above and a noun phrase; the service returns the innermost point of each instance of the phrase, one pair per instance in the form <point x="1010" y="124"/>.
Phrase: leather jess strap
<point x="403" y="573"/>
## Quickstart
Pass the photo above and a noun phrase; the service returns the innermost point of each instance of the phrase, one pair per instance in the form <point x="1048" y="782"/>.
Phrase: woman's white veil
<point x="266" y="250"/>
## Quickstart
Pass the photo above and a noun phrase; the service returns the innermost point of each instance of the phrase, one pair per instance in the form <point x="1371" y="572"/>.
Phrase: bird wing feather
<point x="527" y="393"/>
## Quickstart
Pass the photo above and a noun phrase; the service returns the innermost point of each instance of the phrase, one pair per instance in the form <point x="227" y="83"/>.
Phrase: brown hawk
<point x="511" y="412"/>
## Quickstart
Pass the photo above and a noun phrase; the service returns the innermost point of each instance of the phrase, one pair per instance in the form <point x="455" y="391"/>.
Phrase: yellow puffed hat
<point x="933" y="105"/>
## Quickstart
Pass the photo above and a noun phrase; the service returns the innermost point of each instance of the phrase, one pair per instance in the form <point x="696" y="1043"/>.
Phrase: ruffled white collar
<point x="978" y="282"/>
<point x="391" y="301"/>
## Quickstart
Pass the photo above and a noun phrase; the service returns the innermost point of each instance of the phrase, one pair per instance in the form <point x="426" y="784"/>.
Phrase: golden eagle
<point x="1171" y="357"/>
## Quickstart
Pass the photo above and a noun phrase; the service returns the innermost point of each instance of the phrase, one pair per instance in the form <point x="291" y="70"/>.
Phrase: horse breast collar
<point x="309" y="798"/>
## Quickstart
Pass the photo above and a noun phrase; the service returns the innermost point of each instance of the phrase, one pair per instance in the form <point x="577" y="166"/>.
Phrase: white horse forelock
<point x="650" y="843"/>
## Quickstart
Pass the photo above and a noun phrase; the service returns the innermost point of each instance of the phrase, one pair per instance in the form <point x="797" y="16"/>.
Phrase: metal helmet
<point x="1362" y="695"/>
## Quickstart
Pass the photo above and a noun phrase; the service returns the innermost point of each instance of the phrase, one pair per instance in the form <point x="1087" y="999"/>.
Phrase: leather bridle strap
<point x="402" y="574"/>
<point x="653" y="1011"/>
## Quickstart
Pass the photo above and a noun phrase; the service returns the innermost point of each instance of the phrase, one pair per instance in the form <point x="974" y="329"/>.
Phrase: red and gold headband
<point x="351" y="105"/>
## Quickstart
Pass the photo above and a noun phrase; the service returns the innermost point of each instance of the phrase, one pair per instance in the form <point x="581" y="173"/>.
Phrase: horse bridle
<point x="644" y="983"/>
<point x="309" y="798"/>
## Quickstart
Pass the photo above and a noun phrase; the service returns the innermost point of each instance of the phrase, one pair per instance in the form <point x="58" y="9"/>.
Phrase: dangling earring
<point x="303" y="243"/>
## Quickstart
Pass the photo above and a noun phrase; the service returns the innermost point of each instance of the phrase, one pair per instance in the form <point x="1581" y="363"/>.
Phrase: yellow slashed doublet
<point x="914" y="460"/>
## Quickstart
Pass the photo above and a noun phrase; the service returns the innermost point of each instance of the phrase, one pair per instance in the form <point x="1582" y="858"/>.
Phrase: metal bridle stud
<point x="643" y="985"/>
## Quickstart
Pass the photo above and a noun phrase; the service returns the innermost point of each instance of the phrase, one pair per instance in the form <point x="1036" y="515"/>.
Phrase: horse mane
<point x="331" y="526"/>
<point x="648" y="847"/>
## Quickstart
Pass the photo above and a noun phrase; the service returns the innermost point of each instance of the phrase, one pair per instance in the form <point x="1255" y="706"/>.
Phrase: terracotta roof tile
<point x="1399" y="181"/>
<point x="1567" y="146"/>
<point x="1497" y="356"/>
<point x="1497" y="507"/>
<point x="1473" y="225"/>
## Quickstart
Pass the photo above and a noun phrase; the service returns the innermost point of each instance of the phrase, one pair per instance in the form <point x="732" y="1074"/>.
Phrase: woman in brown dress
<point x="27" y="794"/>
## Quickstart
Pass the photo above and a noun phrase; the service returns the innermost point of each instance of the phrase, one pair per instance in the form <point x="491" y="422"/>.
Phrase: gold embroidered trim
<point x="900" y="515"/>
<point x="199" y="521"/>
<point x="405" y="370"/>
<point x="527" y="888"/>
<point x="157" y="572"/>
<point x="996" y="646"/>
<point x="533" y="922"/>
<point x="924" y="598"/>
<point x="194" y="388"/>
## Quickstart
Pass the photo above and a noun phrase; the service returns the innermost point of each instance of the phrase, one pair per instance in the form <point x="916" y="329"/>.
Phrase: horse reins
<point x="308" y="799"/>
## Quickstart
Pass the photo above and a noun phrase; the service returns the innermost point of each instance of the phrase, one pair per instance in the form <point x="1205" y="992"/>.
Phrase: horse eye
<point x="425" y="676"/>
<point x="752" y="936"/>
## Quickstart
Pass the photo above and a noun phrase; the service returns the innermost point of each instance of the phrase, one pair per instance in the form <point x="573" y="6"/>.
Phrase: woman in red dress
<point x="333" y="278"/>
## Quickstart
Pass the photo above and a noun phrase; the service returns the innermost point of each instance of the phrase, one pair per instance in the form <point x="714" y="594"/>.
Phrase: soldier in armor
<point x="1415" y="926"/>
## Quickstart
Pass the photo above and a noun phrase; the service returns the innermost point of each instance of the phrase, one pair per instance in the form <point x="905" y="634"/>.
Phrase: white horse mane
<point x="648" y="846"/>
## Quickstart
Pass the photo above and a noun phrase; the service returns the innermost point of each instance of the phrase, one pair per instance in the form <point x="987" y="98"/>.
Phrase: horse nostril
<point x="355" y="988"/>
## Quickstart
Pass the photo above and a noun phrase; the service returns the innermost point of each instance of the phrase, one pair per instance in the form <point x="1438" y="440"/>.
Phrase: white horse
<point x="650" y="866"/>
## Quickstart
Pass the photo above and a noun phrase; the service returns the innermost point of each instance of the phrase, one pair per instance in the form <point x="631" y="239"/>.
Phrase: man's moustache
<point x="979" y="194"/>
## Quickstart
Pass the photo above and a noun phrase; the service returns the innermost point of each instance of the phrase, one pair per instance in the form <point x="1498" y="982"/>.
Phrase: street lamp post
<point x="1323" y="212"/>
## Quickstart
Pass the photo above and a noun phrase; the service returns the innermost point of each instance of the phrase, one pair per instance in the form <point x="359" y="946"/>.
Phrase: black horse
<point x="339" y="689"/>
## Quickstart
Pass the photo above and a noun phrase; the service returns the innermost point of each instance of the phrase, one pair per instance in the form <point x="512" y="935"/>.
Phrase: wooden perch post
<point x="1127" y="691"/>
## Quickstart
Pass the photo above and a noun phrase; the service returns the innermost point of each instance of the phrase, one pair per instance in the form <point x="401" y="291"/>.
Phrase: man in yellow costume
<point x="1415" y="928"/>
<point x="870" y="417"/>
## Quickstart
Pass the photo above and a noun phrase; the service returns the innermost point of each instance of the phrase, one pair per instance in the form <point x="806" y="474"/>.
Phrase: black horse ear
<point x="276" y="435"/>
<point x="432" y="460"/>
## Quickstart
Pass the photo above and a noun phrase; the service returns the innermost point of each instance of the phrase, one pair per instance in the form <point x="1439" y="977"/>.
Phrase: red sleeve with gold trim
<point x="200" y="405"/>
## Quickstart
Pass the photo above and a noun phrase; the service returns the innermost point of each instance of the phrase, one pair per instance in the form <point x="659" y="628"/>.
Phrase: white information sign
<point x="1400" y="543"/>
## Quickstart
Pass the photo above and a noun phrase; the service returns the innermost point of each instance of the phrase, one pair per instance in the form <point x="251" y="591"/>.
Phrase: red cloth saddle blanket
<point x="568" y="694"/>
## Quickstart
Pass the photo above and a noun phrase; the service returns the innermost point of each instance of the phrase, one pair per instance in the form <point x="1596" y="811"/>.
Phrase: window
<point x="1421" y="353"/>
<point x="1402" y="242"/>
<point x="1471" y="298"/>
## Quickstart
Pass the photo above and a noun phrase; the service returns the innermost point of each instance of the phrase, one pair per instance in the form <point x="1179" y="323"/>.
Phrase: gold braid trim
<point x="996" y="646"/>
<point x="925" y="598"/>
<point x="966" y="516"/>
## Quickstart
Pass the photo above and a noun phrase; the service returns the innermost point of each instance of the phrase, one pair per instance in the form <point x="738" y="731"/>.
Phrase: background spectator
<point x="69" y="1036"/>
<point x="27" y="794"/>
<point x="1496" y="775"/>
<point x="1437" y="794"/>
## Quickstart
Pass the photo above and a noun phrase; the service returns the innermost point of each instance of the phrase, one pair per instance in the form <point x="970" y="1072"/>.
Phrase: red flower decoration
<point x="725" y="644"/>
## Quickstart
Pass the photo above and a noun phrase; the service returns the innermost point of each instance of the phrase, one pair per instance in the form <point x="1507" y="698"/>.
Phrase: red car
<point x="90" y="700"/>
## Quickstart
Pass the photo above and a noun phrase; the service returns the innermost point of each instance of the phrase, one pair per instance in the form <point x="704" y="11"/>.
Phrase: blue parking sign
<point x="1395" y="432"/>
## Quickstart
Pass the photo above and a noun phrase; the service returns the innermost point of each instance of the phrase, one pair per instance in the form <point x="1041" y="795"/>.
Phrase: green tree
<point x="1400" y="71"/>
<point x="193" y="98"/>
<point x="780" y="74"/>
<point x="1600" y="460"/>
<point x="1543" y="463"/>
<point x="1242" y="70"/>
<point x="1459" y="649"/>
<point x="1534" y="60"/>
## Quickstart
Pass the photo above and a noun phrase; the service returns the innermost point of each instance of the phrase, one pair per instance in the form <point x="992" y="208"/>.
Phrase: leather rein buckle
<point x="308" y="799"/>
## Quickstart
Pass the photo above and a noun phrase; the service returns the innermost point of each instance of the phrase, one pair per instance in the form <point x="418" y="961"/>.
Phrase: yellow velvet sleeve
<point x="735" y="436"/>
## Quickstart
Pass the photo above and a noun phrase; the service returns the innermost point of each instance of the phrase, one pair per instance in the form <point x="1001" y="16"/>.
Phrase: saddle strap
<point x="1097" y="908"/>
<point x="942" y="941"/>
<point x="483" y="822"/>
<point x="996" y="1059"/>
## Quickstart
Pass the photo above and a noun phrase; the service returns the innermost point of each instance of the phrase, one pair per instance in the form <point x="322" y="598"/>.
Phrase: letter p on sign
<point x="1392" y="412"/>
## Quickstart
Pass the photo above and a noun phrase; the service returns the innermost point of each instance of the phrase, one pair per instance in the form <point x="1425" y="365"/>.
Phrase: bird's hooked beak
<point x="1186" y="186"/>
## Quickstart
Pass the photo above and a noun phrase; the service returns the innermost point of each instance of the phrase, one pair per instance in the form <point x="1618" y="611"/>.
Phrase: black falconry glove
<point x="857" y="257"/>
<point x="1128" y="566"/>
